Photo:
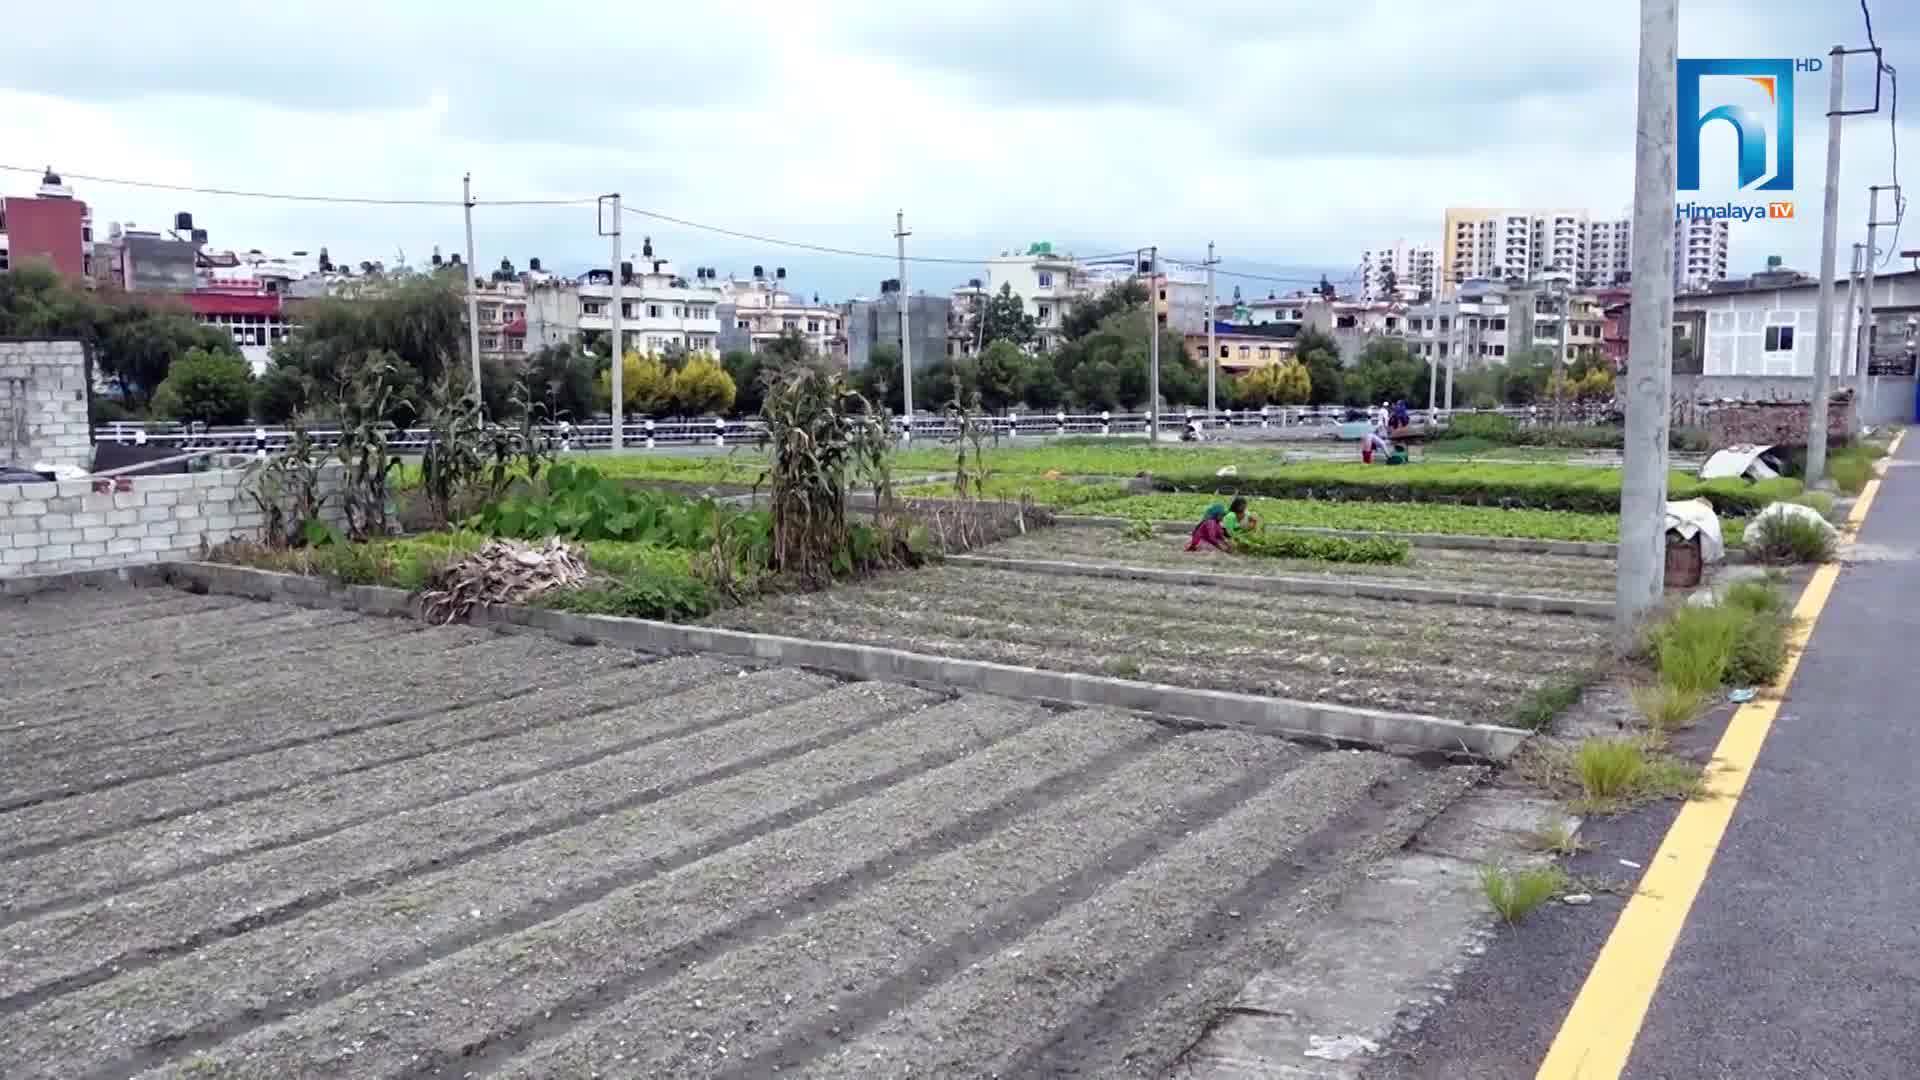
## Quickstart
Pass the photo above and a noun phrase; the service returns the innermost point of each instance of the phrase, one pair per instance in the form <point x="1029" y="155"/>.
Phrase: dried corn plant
<point x="825" y="438"/>
<point x="502" y="572"/>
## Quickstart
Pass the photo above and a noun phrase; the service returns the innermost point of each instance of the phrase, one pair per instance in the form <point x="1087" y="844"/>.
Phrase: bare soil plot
<point x="1544" y="575"/>
<point x="445" y="852"/>
<point x="1458" y="663"/>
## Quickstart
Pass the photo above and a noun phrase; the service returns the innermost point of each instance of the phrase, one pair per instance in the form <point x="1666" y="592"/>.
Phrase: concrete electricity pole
<point x="1213" y="364"/>
<point x="1823" y="318"/>
<point x="1850" y="356"/>
<point x="615" y="344"/>
<point x="1866" y="303"/>
<point x="1153" y="345"/>
<point x="1643" y="489"/>
<point x="900" y="235"/>
<point x="473" y="299"/>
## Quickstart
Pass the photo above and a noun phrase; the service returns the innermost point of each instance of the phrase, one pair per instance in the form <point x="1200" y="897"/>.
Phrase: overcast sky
<point x="1293" y="133"/>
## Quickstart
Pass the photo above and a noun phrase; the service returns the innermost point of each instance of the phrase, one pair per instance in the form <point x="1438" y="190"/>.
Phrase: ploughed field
<point x="1460" y="663"/>
<point x="242" y="839"/>
<point x="1445" y="568"/>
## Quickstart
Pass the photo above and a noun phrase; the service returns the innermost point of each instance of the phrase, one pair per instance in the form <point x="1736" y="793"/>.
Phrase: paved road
<point x="243" y="839"/>
<point x="1801" y="954"/>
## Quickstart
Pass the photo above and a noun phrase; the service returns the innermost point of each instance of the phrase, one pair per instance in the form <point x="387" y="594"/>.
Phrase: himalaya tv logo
<point x="1752" y="100"/>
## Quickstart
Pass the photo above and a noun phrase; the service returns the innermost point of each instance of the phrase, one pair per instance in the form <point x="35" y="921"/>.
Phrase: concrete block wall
<point x="51" y="528"/>
<point x="43" y="403"/>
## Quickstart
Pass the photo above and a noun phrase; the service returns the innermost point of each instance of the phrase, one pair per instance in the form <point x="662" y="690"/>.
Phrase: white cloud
<point x="1290" y="133"/>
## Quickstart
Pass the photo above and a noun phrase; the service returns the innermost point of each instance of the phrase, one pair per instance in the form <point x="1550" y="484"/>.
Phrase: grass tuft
<point x="1787" y="539"/>
<point x="1665" y="708"/>
<point x="1693" y="647"/>
<point x="1514" y="894"/>
<point x="1537" y="710"/>
<point x="1609" y="769"/>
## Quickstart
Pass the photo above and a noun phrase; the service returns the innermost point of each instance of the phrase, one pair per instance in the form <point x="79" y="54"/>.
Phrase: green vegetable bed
<point x="1429" y="518"/>
<point x="1284" y="545"/>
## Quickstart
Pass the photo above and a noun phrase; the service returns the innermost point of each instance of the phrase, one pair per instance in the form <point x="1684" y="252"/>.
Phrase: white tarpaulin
<point x="1695" y="517"/>
<point x="1738" y="461"/>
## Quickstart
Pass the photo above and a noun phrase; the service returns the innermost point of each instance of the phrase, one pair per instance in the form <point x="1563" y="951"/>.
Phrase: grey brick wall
<point x="51" y="528"/>
<point x="43" y="404"/>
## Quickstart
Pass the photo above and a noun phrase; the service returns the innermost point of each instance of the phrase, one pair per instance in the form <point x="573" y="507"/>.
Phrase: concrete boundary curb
<point x="1275" y="716"/>
<point x="1596" y="549"/>
<point x="1326" y="586"/>
<point x="118" y="577"/>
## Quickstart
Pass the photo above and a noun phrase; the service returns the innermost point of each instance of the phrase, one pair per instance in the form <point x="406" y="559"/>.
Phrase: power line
<point x="1893" y="132"/>
<point x="357" y="200"/>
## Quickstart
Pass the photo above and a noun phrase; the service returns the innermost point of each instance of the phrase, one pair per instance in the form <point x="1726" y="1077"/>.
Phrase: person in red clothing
<point x="1210" y="531"/>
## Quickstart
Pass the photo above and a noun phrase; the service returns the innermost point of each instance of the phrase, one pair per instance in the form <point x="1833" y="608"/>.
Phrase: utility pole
<point x="1866" y="303"/>
<point x="618" y="350"/>
<point x="1852" y="358"/>
<point x="1213" y="363"/>
<point x="1153" y="345"/>
<point x="1823" y="318"/>
<point x="1643" y="489"/>
<point x="473" y="298"/>
<point x="900" y="235"/>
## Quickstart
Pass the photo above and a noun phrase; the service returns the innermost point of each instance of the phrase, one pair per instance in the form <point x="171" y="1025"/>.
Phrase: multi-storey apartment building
<point x="1699" y="253"/>
<point x="1595" y="251"/>
<point x="660" y="309"/>
<point x="1048" y="285"/>
<point x="756" y="311"/>
<point x="1412" y="269"/>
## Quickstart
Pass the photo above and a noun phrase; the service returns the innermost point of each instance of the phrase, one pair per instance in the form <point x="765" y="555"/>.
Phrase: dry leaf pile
<point x="502" y="572"/>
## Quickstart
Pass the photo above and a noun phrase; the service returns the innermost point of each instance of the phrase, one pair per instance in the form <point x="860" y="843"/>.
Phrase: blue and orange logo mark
<point x="1759" y="136"/>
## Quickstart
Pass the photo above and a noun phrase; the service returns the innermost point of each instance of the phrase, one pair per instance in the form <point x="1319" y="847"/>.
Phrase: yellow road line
<point x="1605" y="1019"/>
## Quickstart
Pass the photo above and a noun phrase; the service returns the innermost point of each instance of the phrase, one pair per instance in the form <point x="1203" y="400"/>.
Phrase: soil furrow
<point x="87" y="817"/>
<point x="313" y="710"/>
<point x="932" y="917"/>
<point x="983" y="1019"/>
<point x="58" y="952"/>
<point x="504" y="989"/>
<point x="36" y="624"/>
<point x="84" y="651"/>
<point x="564" y="732"/>
<point x="194" y="1002"/>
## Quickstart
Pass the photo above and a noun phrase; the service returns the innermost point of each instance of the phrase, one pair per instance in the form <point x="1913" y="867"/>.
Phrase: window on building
<point x="1246" y="352"/>
<point x="790" y="324"/>
<point x="653" y="311"/>
<point x="1163" y="295"/>
<point x="741" y="325"/>
<point x="1443" y="323"/>
<point x="813" y="326"/>
<point x="1499" y="324"/>
<point x="1046" y="279"/>
<point x="1499" y="350"/>
<point x="1263" y="352"/>
<point x="1046" y="313"/>
<point x="626" y="309"/>
<point x="3" y="259"/>
<point x="1346" y="322"/>
<point x="1779" y="339"/>
<point x="591" y="308"/>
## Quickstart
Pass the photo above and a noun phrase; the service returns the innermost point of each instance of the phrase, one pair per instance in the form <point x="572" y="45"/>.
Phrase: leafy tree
<point x="702" y="388"/>
<point x="279" y="395"/>
<point x="879" y="381"/>
<point x="561" y="377"/>
<point x="749" y="387"/>
<point x="141" y="346"/>
<point x="1042" y="387"/>
<point x="787" y="349"/>
<point x="211" y="387"/>
<point x="1085" y="317"/>
<point x="1317" y="350"/>
<point x="1005" y="317"/>
<point x="1285" y="383"/>
<point x="419" y="320"/>
<point x="1385" y="371"/>
<point x="1000" y="375"/>
<point x="645" y="386"/>
<point x="1389" y="283"/>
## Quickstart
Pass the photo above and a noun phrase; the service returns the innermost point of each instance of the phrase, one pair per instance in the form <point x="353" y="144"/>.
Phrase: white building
<point x="660" y="310"/>
<point x="1699" y="253"/>
<point x="758" y="310"/>
<point x="1413" y="268"/>
<point x="1047" y="284"/>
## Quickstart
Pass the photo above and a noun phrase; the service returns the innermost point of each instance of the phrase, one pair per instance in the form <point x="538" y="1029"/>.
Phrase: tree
<point x="1005" y="317"/>
<point x="279" y="395"/>
<point x="1389" y="283"/>
<point x="1000" y="375"/>
<point x="561" y="377"/>
<point x="645" y="386"/>
<point x="749" y="386"/>
<point x="1285" y="383"/>
<point x="1085" y="317"/>
<point x="419" y="320"/>
<point x="879" y="381"/>
<point x="1385" y="371"/>
<point x="1320" y="354"/>
<point x="207" y="386"/>
<point x="1042" y="387"/>
<point x="701" y="388"/>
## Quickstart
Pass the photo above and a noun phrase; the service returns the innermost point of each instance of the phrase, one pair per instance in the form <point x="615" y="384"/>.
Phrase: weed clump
<point x="1784" y="538"/>
<point x="1609" y="768"/>
<point x="1666" y="708"/>
<point x="1514" y="894"/>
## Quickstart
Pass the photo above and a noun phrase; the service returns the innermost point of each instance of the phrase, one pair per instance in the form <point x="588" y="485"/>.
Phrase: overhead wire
<point x="1893" y="131"/>
<point x="356" y="200"/>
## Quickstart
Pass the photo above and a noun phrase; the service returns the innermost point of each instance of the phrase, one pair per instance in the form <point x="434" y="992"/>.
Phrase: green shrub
<point x="210" y="387"/>
<point x="1852" y="467"/>
<point x="1693" y="646"/>
<point x="1819" y="501"/>
<point x="1666" y="708"/>
<point x="1757" y="597"/>
<point x="1788" y="539"/>
<point x="102" y="409"/>
<point x="1536" y="711"/>
<point x="1284" y="545"/>
<point x="1759" y="649"/>
<point x="1514" y="894"/>
<point x="575" y="501"/>
<point x="648" y="594"/>
<point x="1494" y="428"/>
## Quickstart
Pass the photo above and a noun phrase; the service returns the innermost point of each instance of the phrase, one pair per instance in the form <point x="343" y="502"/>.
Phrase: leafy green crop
<point x="1283" y="545"/>
<point x="1376" y="517"/>
<point x="1044" y="491"/>
<point x="575" y="501"/>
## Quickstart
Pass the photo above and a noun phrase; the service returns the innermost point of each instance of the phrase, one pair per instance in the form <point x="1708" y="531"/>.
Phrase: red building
<point x="53" y="226"/>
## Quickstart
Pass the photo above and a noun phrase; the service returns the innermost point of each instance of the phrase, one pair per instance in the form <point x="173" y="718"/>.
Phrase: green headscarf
<point x="1216" y="511"/>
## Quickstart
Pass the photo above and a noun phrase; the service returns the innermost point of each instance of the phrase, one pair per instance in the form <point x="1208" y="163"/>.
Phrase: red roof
<point x="216" y="303"/>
